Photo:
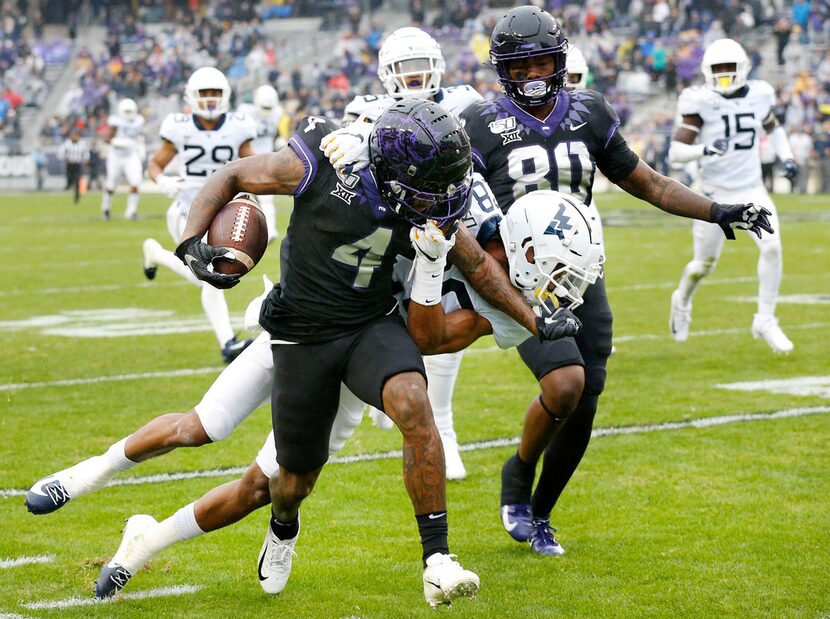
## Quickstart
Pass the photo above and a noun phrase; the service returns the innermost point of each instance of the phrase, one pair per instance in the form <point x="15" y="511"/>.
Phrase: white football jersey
<point x="267" y="127"/>
<point x="130" y="132"/>
<point x="740" y="120"/>
<point x="201" y="151"/>
<point x="482" y="221"/>
<point x="454" y="99"/>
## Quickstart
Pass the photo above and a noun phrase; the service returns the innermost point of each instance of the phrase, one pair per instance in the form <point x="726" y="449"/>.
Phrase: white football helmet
<point x="552" y="247"/>
<point x="577" y="68"/>
<point x="266" y="99"/>
<point x="725" y="51"/>
<point x="127" y="109"/>
<point x="410" y="64"/>
<point x="208" y="107"/>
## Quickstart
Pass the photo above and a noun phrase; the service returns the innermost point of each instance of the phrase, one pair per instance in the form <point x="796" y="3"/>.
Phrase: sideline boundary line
<point x="7" y="563"/>
<point x="699" y="423"/>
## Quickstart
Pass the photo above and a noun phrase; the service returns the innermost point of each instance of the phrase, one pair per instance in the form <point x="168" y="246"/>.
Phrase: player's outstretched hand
<point x="562" y="323"/>
<point x="430" y="243"/>
<point x="348" y="148"/>
<point x="198" y="255"/>
<point x="170" y="185"/>
<point x="718" y="147"/>
<point x="790" y="169"/>
<point x="741" y="217"/>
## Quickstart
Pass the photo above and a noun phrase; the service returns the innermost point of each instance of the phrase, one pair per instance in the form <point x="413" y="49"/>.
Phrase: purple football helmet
<point x="526" y="32"/>
<point x="420" y="157"/>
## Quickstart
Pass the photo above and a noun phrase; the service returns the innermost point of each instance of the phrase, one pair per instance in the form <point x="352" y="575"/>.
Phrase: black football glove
<point x="718" y="147"/>
<point x="790" y="169"/>
<point x="562" y="323"/>
<point x="197" y="256"/>
<point x="742" y="217"/>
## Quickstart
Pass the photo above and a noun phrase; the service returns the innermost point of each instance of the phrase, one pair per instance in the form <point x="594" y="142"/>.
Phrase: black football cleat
<point x="233" y="348"/>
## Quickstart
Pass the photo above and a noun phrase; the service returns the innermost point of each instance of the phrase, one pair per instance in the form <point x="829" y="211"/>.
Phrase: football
<point x="240" y="227"/>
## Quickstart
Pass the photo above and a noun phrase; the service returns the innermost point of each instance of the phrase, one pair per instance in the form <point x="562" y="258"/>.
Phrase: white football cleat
<point x="150" y="247"/>
<point x="445" y="580"/>
<point x="275" y="559"/>
<point x="452" y="459"/>
<point x="680" y="318"/>
<point x="54" y="491"/>
<point x="130" y="557"/>
<point x="767" y="327"/>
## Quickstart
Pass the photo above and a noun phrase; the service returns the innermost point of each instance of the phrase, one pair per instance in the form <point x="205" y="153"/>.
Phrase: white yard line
<point x="474" y="351"/>
<point x="701" y="422"/>
<point x="159" y="592"/>
<point x="94" y="288"/>
<point x="7" y="563"/>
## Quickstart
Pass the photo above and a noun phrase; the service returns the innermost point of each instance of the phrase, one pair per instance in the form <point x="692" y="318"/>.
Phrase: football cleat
<point x="105" y="215"/>
<point x="445" y="580"/>
<point x="233" y="348"/>
<point x="54" y="491"/>
<point x="767" y="327"/>
<point x="275" y="559"/>
<point x="517" y="519"/>
<point x="130" y="557"/>
<point x="542" y="539"/>
<point x="149" y="247"/>
<point x="680" y="318"/>
<point x="452" y="458"/>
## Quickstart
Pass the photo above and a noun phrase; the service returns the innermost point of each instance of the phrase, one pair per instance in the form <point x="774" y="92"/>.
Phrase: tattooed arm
<point x="272" y="173"/>
<point x="490" y="280"/>
<point x="666" y="193"/>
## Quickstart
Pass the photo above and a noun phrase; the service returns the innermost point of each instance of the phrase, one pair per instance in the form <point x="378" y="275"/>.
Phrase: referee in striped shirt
<point x="75" y="152"/>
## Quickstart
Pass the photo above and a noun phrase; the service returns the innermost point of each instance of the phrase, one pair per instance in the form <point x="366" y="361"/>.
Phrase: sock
<point x="106" y="202"/>
<point x="132" y="205"/>
<point x="516" y="481"/>
<point x="442" y="371"/>
<point x="179" y="527"/>
<point x="216" y="308"/>
<point x="433" y="529"/>
<point x="116" y="457"/>
<point x="693" y="274"/>
<point x="769" y="279"/>
<point x="285" y="530"/>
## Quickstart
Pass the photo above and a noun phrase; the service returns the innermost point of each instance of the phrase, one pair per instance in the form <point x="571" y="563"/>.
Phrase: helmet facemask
<point x="208" y="93"/>
<point x="410" y="64"/>
<point x="725" y="66"/>
<point x="417" y="206"/>
<point x="537" y="90"/>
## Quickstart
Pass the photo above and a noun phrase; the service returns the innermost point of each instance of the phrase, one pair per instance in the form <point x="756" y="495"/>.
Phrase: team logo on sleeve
<point x="344" y="183"/>
<point x="506" y="128"/>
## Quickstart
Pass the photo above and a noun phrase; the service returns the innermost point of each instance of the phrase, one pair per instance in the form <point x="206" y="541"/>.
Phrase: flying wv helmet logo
<point x="345" y="182"/>
<point x="559" y="224"/>
<point x="506" y="128"/>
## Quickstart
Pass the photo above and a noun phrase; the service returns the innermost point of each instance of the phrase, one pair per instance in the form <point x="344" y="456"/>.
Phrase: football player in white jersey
<point x="124" y="156"/>
<point x="719" y="127"/>
<point x="410" y="64"/>
<point x="205" y="139"/>
<point x="267" y="113"/>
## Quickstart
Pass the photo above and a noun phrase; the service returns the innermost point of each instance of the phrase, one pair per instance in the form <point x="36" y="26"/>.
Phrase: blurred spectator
<point x="75" y="153"/>
<point x="802" y="145"/>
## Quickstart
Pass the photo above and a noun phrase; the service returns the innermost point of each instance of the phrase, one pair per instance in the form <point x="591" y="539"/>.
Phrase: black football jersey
<point x="338" y="254"/>
<point x="517" y="153"/>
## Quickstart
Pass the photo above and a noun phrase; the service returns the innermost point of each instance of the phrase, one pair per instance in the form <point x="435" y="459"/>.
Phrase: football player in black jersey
<point x="333" y="317"/>
<point x="541" y="136"/>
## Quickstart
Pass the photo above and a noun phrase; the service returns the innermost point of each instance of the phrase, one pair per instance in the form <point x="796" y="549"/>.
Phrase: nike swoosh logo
<point x="428" y="301"/>
<point x="575" y="127"/>
<point x="506" y="520"/>
<point x="259" y="567"/>
<point x="436" y="516"/>
<point x="434" y="275"/>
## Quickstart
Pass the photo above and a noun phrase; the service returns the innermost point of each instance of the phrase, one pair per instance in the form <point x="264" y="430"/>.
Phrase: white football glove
<point x="430" y="243"/>
<point x="170" y="185"/>
<point x="254" y="307"/>
<point x="122" y="142"/>
<point x="348" y="148"/>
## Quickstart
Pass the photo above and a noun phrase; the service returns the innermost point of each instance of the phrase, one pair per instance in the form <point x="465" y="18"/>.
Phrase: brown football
<point x="240" y="227"/>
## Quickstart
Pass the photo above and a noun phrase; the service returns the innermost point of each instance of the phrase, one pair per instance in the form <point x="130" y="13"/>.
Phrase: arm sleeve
<point x="306" y="144"/>
<point x="614" y="158"/>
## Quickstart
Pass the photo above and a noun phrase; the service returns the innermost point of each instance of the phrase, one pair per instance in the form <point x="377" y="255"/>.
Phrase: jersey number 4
<point x="365" y="255"/>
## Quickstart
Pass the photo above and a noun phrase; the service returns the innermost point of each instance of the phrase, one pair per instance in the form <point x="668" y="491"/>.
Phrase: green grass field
<point x="723" y="520"/>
